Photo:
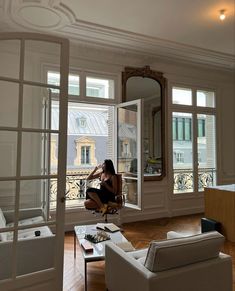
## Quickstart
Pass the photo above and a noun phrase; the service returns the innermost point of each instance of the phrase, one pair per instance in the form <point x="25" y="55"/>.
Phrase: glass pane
<point x="53" y="78"/>
<point x="90" y="129"/>
<point x="36" y="107"/>
<point x="127" y="140"/>
<point x="8" y="152"/>
<point x="181" y="96"/>
<point x="10" y="58"/>
<point x="6" y="259"/>
<point x="205" y="99"/>
<point x="101" y="88"/>
<point x="9" y="99"/>
<point x="182" y="152"/>
<point x="7" y="202"/>
<point x="127" y="153"/>
<point x="35" y="149"/>
<point x="55" y="113"/>
<point x="35" y="51"/>
<point x="36" y="244"/>
<point x="130" y="191"/>
<point x="206" y="146"/>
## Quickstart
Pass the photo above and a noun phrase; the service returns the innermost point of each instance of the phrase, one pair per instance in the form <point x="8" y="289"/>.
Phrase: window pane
<point x="34" y="154"/>
<point x="35" y="52"/>
<point x="36" y="107"/>
<point x="9" y="99"/>
<point x="100" y="88"/>
<point x="90" y="142"/>
<point x="8" y="153"/>
<point x="182" y="153"/>
<point x="205" y="99"/>
<point x="53" y="78"/>
<point x="187" y="129"/>
<point x="181" y="96"/>
<point x="10" y="58"/>
<point x="206" y="151"/>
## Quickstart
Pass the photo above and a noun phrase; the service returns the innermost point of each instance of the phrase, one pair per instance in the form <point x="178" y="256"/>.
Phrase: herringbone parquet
<point x="140" y="234"/>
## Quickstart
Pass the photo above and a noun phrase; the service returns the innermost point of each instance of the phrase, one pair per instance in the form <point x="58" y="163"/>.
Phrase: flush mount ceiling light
<point x="222" y="14"/>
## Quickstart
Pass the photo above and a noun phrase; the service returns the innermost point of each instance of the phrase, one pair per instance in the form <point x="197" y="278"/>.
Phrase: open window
<point x="129" y="148"/>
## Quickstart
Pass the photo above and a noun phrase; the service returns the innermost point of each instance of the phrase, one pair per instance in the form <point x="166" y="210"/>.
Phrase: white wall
<point x="158" y="200"/>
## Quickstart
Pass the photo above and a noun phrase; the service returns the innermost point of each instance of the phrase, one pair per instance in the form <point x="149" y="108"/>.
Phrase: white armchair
<point x="191" y="263"/>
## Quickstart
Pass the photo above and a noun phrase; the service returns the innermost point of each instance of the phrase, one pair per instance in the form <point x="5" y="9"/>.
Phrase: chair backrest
<point x="119" y="184"/>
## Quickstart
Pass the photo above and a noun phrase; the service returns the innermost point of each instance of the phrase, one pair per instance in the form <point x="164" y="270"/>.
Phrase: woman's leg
<point x="96" y="198"/>
<point x="92" y="194"/>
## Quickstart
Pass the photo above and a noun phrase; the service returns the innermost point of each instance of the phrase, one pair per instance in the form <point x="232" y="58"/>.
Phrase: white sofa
<point x="192" y="263"/>
<point x="34" y="253"/>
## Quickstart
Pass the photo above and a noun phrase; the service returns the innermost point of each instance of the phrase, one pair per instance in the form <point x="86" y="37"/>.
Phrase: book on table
<point x="108" y="227"/>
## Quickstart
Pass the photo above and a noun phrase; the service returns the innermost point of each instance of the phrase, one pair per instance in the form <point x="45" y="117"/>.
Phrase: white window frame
<point x="194" y="110"/>
<point x="82" y="98"/>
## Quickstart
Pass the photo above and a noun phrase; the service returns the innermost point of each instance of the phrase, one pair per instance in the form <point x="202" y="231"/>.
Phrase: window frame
<point x="194" y="110"/>
<point x="82" y="98"/>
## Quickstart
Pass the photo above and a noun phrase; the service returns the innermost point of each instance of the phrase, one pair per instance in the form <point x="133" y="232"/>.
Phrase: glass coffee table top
<point x="98" y="248"/>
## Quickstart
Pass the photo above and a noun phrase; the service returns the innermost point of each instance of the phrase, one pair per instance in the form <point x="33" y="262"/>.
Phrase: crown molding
<point x="101" y="36"/>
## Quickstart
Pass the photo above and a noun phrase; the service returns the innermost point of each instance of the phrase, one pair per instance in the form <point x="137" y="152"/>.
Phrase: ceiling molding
<point x="65" y="23"/>
<point x="132" y="42"/>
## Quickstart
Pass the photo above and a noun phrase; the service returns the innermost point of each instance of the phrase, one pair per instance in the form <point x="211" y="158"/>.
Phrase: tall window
<point x="193" y="136"/>
<point x="90" y="129"/>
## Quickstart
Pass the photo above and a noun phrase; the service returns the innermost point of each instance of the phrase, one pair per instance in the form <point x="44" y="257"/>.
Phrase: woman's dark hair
<point x="109" y="167"/>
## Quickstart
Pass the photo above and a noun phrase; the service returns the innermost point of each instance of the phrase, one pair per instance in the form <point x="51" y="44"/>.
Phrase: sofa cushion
<point x="3" y="235"/>
<point x="173" y="253"/>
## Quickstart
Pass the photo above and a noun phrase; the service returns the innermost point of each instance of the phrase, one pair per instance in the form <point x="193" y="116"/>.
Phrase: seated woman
<point x="99" y="198"/>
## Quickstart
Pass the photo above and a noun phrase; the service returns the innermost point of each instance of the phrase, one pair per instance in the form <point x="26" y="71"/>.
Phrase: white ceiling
<point x="150" y="25"/>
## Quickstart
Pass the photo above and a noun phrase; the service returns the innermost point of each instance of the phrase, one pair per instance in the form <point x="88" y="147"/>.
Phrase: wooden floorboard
<point x="140" y="234"/>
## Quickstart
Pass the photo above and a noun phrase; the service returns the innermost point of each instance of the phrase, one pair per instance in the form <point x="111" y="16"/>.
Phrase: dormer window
<point x="82" y="121"/>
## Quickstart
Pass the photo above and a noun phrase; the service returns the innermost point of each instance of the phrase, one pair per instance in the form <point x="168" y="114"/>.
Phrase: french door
<point x="31" y="238"/>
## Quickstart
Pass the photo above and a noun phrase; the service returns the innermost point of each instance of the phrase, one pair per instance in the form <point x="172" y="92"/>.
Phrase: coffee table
<point x="98" y="253"/>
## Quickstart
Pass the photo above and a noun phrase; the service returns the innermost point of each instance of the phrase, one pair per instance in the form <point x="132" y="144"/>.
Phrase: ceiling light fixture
<point x="222" y="14"/>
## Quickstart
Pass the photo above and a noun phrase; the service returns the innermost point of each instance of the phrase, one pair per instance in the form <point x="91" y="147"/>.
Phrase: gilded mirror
<point x="150" y="86"/>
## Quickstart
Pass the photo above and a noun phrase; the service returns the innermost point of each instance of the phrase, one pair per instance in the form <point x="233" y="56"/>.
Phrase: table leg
<point x="74" y="244"/>
<point x="85" y="274"/>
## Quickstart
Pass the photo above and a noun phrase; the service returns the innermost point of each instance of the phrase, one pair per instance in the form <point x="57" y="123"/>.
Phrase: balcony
<point x="183" y="179"/>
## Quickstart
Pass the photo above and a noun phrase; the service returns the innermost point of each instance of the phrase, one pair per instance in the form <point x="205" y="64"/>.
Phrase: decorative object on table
<point x="87" y="246"/>
<point x="96" y="238"/>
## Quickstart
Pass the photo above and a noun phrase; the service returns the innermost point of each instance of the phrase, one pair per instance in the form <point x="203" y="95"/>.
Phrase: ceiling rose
<point x="39" y="16"/>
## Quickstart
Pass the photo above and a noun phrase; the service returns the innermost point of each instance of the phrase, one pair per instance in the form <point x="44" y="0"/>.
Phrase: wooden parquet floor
<point x="140" y="234"/>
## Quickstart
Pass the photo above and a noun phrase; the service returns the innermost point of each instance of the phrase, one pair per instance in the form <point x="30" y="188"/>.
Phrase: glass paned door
<point x="129" y="145"/>
<point x="31" y="241"/>
<point x="206" y="151"/>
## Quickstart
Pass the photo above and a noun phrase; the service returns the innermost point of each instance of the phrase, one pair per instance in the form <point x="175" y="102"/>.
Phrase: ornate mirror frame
<point x="146" y="72"/>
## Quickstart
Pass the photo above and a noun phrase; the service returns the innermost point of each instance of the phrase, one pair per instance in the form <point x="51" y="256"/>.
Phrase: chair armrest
<point x="120" y="265"/>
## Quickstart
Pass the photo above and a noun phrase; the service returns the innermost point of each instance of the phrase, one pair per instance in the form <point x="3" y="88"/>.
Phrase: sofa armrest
<point x="174" y="234"/>
<point x="120" y="265"/>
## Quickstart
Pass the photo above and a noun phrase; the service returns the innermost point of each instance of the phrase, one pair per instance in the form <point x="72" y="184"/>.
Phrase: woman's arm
<point x="93" y="174"/>
<point x="112" y="188"/>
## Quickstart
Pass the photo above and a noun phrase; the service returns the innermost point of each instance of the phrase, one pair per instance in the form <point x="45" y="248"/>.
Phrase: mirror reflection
<point x="149" y="86"/>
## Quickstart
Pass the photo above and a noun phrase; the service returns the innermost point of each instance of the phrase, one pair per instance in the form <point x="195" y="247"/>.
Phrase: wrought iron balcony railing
<point x="183" y="179"/>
